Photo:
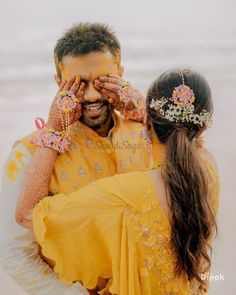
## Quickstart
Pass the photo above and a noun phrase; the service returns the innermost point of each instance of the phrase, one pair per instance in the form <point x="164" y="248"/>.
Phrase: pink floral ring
<point x="67" y="101"/>
<point x="124" y="91"/>
<point x="183" y="95"/>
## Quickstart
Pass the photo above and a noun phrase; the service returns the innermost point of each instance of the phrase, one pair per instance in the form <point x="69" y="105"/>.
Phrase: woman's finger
<point x="76" y="85"/>
<point x="109" y="93"/>
<point x="97" y="85"/>
<point x="115" y="76"/>
<point x="78" y="110"/>
<point x="62" y="85"/>
<point x="69" y="84"/>
<point x="110" y="80"/>
<point x="80" y="92"/>
<point x="108" y="86"/>
<point x="145" y="119"/>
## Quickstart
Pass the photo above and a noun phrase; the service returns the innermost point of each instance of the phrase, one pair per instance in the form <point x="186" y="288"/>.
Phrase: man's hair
<point x="84" y="38"/>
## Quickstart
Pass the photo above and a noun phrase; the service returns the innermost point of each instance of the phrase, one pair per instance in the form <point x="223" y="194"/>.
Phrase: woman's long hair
<point x="185" y="178"/>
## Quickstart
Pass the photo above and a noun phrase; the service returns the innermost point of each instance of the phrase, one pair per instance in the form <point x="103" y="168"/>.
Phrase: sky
<point x="211" y="15"/>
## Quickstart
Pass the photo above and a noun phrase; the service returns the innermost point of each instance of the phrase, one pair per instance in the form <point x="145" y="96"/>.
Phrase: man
<point x="103" y="143"/>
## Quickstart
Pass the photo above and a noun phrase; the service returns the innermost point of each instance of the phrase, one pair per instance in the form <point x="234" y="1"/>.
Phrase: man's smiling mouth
<point x="94" y="109"/>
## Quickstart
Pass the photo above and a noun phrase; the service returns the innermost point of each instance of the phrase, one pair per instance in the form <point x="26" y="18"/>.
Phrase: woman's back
<point x="117" y="228"/>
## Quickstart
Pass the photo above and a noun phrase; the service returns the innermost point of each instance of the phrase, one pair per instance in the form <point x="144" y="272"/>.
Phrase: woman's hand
<point x="66" y="107"/>
<point x="125" y="98"/>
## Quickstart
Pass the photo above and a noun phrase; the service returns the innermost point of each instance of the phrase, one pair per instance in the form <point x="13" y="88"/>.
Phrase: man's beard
<point x="97" y="122"/>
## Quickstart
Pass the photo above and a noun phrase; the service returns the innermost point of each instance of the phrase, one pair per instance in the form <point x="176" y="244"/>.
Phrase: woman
<point x="143" y="232"/>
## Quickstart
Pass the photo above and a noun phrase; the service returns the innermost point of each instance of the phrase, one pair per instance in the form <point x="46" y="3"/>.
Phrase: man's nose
<point x="91" y="94"/>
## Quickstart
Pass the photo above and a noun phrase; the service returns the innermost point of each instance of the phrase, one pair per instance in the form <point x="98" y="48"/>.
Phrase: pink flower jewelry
<point x="128" y="93"/>
<point x="67" y="101"/>
<point x="50" y="138"/>
<point x="183" y="95"/>
<point x="180" y="107"/>
<point x="125" y="91"/>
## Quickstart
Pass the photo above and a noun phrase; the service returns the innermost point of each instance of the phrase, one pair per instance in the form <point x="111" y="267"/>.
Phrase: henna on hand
<point x="125" y="98"/>
<point x="66" y="107"/>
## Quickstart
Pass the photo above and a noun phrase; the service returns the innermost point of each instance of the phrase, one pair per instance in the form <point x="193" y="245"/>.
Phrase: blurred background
<point x="155" y="35"/>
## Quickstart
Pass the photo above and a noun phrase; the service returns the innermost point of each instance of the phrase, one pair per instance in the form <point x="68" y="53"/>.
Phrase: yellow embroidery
<point x="88" y="148"/>
<point x="19" y="156"/>
<point x="150" y="234"/>
<point x="63" y="176"/>
<point x="12" y="170"/>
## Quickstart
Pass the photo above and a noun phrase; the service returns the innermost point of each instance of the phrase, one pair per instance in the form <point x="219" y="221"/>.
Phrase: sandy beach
<point x="27" y="89"/>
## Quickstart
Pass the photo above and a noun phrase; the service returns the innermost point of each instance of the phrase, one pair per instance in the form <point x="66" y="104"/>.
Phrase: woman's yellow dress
<point x="114" y="228"/>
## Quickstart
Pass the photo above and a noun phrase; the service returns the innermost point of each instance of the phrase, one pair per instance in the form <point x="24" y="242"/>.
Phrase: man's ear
<point x="57" y="79"/>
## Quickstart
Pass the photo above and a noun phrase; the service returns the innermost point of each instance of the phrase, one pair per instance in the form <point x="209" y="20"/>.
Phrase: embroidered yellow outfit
<point x="114" y="228"/>
<point x="92" y="157"/>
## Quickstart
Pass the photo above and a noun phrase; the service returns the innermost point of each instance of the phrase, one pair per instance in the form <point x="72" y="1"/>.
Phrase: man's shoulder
<point x="134" y="130"/>
<point x="26" y="142"/>
<point x="18" y="159"/>
<point x="127" y="122"/>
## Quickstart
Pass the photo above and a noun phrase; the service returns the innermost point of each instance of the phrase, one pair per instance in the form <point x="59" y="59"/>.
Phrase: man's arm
<point x="19" y="252"/>
<point x="11" y="184"/>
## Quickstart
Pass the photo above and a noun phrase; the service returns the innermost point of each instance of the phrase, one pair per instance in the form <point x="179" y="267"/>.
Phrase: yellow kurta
<point x="113" y="228"/>
<point x="91" y="157"/>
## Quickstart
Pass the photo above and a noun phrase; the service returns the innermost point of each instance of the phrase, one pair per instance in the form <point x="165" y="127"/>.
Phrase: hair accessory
<point x="180" y="107"/>
<point x="50" y="138"/>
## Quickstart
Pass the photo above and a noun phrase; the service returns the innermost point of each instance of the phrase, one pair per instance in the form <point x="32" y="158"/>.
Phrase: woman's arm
<point x="36" y="184"/>
<point x="39" y="172"/>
